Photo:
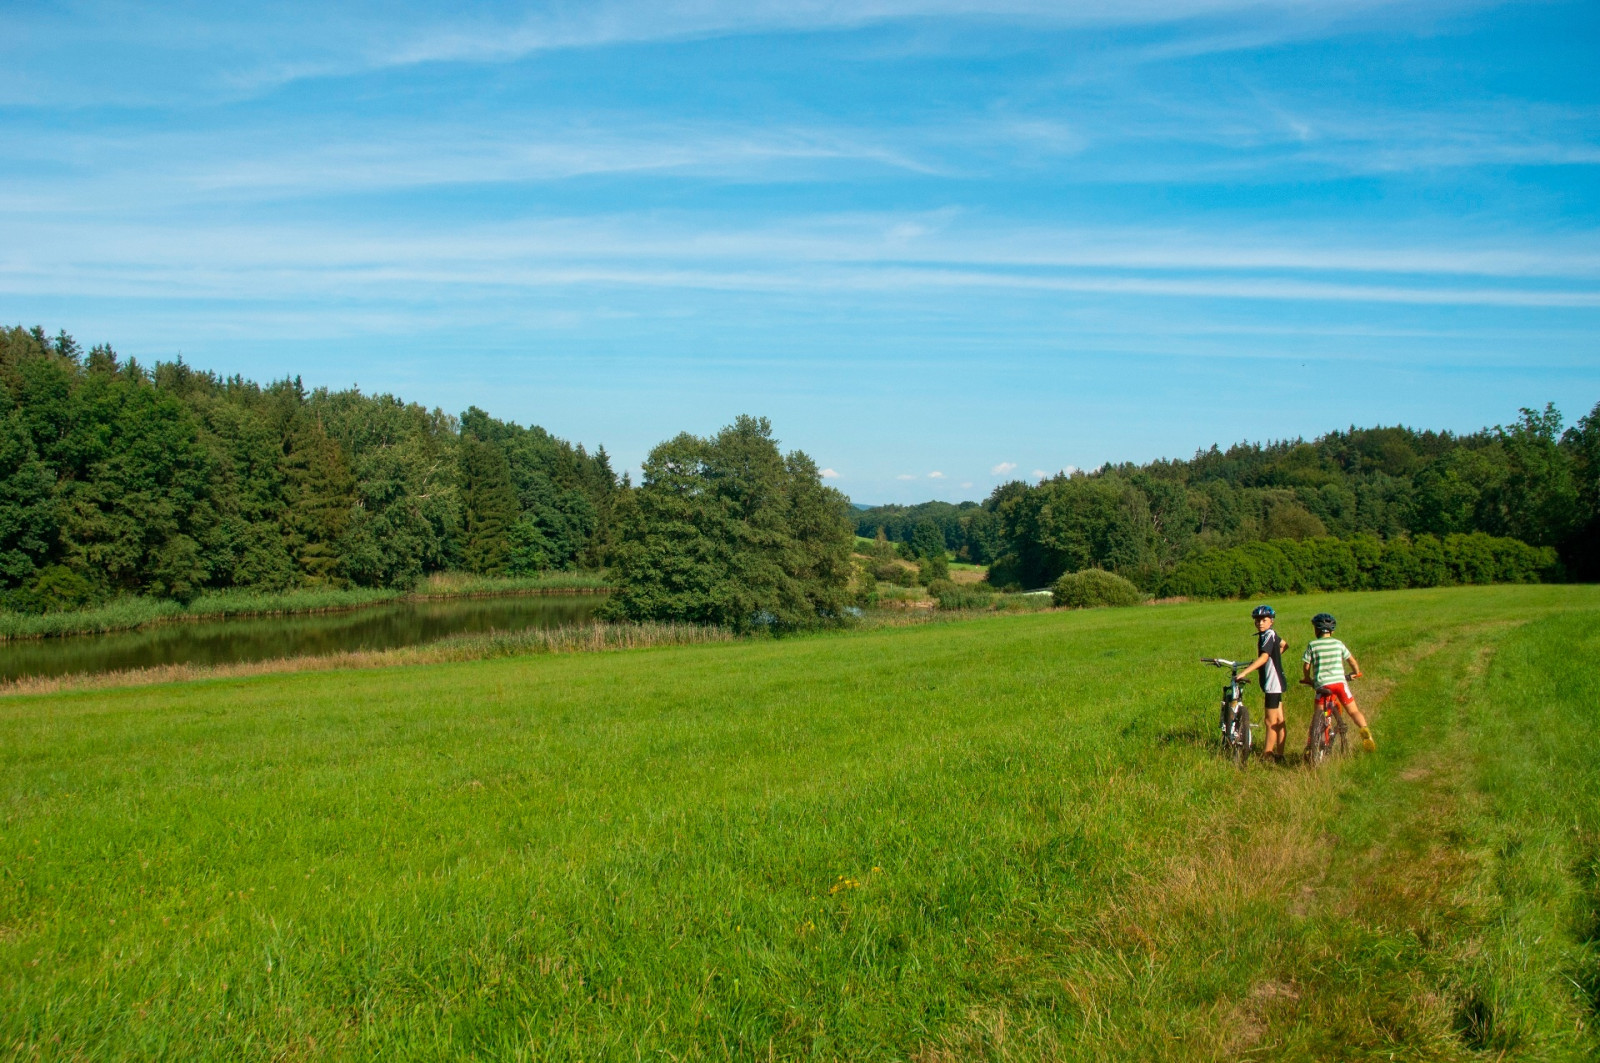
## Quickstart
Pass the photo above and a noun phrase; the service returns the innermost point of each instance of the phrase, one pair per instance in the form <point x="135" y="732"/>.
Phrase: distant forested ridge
<point x="1531" y="481"/>
<point x="116" y="479"/>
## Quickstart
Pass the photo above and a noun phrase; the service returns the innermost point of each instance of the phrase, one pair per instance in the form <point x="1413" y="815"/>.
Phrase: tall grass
<point x="220" y="604"/>
<point x="587" y="638"/>
<point x="449" y="584"/>
<point x="120" y="615"/>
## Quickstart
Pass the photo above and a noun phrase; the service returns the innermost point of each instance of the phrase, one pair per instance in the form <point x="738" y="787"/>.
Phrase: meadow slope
<point x="1005" y="838"/>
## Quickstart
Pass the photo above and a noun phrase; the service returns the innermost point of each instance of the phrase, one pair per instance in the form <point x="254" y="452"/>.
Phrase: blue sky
<point x="941" y="244"/>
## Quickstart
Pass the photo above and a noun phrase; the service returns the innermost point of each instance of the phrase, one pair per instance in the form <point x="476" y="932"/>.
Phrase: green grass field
<point x="1003" y="838"/>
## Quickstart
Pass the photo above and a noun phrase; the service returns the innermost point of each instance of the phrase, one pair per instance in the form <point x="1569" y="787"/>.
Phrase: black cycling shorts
<point x="1273" y="701"/>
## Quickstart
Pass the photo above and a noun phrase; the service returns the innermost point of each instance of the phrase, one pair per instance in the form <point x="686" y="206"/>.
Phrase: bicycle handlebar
<point x="1219" y="662"/>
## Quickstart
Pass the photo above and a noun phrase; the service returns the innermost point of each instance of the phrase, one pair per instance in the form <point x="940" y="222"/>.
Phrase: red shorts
<point x="1339" y="690"/>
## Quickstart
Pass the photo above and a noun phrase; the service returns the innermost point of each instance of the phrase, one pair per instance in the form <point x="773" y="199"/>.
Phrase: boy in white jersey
<point x="1270" y="648"/>
<point x="1322" y="666"/>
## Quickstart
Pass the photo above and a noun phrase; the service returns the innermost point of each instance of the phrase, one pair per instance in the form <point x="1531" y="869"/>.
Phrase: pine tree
<point x="488" y="505"/>
<point x="322" y="499"/>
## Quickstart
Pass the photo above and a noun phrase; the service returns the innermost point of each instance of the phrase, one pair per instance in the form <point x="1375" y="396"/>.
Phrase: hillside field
<point x="1000" y="838"/>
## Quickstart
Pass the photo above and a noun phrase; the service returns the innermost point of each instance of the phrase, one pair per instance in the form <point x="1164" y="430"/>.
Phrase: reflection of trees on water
<point x="263" y="638"/>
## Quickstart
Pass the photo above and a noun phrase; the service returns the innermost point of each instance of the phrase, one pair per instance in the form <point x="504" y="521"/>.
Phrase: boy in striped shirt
<point x="1322" y="666"/>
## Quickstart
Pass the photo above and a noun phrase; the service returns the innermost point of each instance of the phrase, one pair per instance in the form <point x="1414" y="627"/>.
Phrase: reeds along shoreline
<point x="130" y="613"/>
<point x="534" y="641"/>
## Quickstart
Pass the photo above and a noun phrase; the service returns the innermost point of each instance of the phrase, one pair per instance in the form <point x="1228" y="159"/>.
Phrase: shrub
<point x="954" y="596"/>
<point x="933" y="567"/>
<point x="1091" y="587"/>
<point x="899" y="575"/>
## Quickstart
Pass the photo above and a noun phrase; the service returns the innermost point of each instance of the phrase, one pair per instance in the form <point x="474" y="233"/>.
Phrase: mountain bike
<point x="1329" y="733"/>
<point x="1235" y="716"/>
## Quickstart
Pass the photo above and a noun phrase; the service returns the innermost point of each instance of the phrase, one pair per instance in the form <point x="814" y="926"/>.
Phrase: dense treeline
<point x="119" y="480"/>
<point x="116" y="480"/>
<point x="1297" y="566"/>
<point x="1530" y="481"/>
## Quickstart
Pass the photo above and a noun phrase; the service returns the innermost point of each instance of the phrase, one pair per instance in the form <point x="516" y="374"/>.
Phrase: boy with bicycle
<point x="1270" y="648"/>
<point x="1322" y="667"/>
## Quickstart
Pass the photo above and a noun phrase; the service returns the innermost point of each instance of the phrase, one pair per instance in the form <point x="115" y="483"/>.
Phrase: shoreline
<point x="161" y="616"/>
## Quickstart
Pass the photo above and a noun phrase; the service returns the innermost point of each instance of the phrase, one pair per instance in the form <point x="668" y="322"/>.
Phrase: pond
<point x="381" y="627"/>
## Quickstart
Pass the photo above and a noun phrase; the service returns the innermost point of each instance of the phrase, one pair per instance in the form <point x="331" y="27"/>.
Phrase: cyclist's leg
<point x="1275" y="729"/>
<point x="1349" y="701"/>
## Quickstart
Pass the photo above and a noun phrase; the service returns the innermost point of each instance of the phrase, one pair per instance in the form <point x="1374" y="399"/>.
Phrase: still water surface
<point x="263" y="638"/>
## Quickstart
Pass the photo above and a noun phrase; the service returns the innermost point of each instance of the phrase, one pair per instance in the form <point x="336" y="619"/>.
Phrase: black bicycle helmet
<point x="1324" y="622"/>
<point x="1262" y="611"/>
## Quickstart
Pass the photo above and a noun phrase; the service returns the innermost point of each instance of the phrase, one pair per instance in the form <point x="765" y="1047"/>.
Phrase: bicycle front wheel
<point x="1241" y="736"/>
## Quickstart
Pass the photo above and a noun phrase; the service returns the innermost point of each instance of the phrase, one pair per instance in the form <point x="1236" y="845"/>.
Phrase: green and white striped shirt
<point x="1326" y="655"/>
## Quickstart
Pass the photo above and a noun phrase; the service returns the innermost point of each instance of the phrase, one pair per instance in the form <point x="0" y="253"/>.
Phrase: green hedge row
<point x="1284" y="566"/>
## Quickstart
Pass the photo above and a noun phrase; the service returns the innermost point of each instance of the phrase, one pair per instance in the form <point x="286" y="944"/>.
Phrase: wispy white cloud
<point x="277" y="262"/>
<point x="936" y="475"/>
<point x="906" y="476"/>
<point x="169" y="54"/>
<point x="512" y="36"/>
<point x="829" y="474"/>
<point x="1005" y="468"/>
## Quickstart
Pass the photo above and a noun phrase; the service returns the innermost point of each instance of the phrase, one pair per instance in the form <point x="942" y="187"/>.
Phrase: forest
<point x="1531" y="481"/>
<point x="120" y="480"/>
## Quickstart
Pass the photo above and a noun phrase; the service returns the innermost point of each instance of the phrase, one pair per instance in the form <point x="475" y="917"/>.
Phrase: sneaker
<point x="1366" y="741"/>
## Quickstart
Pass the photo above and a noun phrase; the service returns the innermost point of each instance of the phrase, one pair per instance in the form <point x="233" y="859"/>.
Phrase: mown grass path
<point x="1000" y="839"/>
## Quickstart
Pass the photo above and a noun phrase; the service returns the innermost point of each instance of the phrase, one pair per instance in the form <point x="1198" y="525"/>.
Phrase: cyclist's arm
<point x="1257" y="663"/>
<point x="1350" y="659"/>
<point x="1305" y="672"/>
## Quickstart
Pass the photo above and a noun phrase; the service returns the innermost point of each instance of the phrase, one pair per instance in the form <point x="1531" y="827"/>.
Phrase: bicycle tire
<point x="1241" y="736"/>
<point x="1318" y="740"/>
<point x="1341" y="734"/>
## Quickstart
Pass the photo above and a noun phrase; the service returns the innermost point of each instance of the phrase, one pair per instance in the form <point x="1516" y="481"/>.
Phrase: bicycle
<point x="1328" y="729"/>
<point x="1234" y="724"/>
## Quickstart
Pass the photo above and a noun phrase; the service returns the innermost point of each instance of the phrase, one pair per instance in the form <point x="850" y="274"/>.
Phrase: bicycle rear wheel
<point x="1341" y="734"/>
<point x="1319" y="739"/>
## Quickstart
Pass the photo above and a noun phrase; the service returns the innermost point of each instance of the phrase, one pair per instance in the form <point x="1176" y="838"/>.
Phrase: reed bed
<point x="121" y="615"/>
<point x="126" y="614"/>
<point x="466" y="584"/>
